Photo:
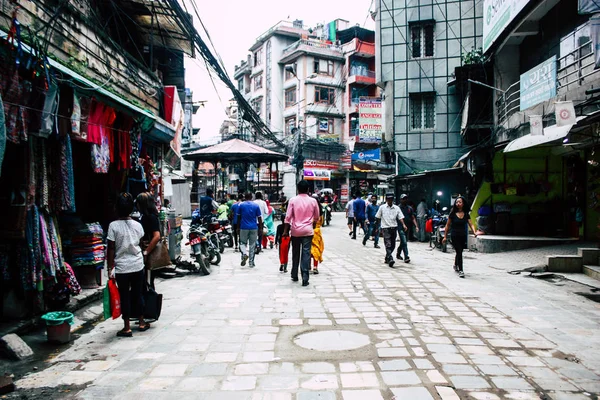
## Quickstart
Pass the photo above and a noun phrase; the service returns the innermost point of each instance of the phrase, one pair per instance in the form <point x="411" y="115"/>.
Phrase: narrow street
<point x="360" y="331"/>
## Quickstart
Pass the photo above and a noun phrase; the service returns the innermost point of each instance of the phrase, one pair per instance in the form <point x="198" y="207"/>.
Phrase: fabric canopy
<point x="235" y="151"/>
<point x="551" y="134"/>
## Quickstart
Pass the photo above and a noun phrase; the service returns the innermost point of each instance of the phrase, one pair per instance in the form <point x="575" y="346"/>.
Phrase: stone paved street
<point x="360" y="331"/>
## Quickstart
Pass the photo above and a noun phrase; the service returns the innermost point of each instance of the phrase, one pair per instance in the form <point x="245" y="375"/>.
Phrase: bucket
<point x="58" y="326"/>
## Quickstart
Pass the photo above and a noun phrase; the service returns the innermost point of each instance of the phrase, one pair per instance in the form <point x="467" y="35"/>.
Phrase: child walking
<point x="126" y="262"/>
<point x="283" y="244"/>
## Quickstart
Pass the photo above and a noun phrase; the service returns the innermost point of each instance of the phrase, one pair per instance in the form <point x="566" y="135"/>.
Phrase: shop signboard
<point x="498" y="14"/>
<point x="322" y="164"/>
<point x="344" y="193"/>
<point x="346" y="160"/>
<point x="315" y="174"/>
<point x="538" y="84"/>
<point x="370" y="127"/>
<point x="366" y="155"/>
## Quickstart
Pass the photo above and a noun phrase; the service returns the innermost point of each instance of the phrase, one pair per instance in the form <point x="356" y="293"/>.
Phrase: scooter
<point x="439" y="230"/>
<point x="195" y="237"/>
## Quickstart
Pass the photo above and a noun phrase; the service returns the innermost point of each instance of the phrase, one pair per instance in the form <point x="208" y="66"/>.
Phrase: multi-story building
<point x="311" y="80"/>
<point x="419" y="45"/>
<point x="544" y="87"/>
<point x="229" y="126"/>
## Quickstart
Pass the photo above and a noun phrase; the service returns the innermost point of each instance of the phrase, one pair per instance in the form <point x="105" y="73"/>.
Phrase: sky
<point x="234" y="26"/>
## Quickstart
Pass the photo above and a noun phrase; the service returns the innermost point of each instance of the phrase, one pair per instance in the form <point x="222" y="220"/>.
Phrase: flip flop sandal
<point x="145" y="327"/>
<point x="124" y="334"/>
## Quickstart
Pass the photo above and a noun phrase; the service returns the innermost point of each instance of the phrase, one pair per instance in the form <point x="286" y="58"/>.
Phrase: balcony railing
<point x="312" y="44"/>
<point x="361" y="72"/>
<point x="573" y="70"/>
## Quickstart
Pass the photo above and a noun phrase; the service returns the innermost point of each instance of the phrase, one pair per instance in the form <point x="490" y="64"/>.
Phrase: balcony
<point x="317" y="48"/>
<point x="575" y="72"/>
<point x="359" y="48"/>
<point x="361" y="76"/>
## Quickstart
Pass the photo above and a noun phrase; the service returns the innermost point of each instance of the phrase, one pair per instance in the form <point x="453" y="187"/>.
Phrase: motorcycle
<point x="439" y="230"/>
<point x="326" y="213"/>
<point x="225" y="234"/>
<point x="195" y="237"/>
<point x="210" y="244"/>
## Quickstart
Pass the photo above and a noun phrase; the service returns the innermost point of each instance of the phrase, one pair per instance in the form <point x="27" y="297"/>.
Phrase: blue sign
<point x="538" y="84"/>
<point x="366" y="155"/>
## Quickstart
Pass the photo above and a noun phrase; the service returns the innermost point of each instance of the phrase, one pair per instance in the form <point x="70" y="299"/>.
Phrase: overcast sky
<point x="234" y="25"/>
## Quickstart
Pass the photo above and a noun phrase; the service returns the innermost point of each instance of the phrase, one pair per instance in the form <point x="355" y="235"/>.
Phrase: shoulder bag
<point x="159" y="257"/>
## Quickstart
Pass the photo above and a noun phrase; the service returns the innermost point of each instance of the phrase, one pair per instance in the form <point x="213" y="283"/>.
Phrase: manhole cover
<point x="332" y="340"/>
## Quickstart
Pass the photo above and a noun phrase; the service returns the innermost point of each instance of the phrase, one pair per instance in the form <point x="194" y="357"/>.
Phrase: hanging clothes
<point x="2" y="133"/>
<point x="50" y="111"/>
<point x="94" y="133"/>
<point x="101" y="156"/>
<point x="85" y="104"/>
<point x="15" y="113"/>
<point x="76" y="116"/>
<point x="134" y="137"/>
<point x="64" y="179"/>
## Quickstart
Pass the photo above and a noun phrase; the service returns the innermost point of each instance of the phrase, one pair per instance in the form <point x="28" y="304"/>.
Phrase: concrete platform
<point x="498" y="244"/>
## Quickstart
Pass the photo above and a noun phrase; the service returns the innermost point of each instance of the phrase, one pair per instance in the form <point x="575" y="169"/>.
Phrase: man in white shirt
<point x="350" y="214"/>
<point x="388" y="216"/>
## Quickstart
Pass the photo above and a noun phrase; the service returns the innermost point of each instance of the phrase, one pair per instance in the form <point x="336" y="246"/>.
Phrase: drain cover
<point x="332" y="340"/>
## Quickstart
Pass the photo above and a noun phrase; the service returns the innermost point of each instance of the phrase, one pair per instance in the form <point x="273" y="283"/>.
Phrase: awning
<point x="551" y="134"/>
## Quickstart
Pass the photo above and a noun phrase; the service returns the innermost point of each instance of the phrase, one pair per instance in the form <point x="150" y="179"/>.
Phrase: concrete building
<point x="419" y="44"/>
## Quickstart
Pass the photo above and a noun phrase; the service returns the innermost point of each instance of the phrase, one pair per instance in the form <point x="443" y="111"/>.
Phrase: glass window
<point x="290" y="97"/>
<point x="422" y="37"/>
<point x="324" y="95"/>
<point x="258" y="57"/>
<point x="258" y="82"/>
<point x="422" y="111"/>
<point x="575" y="45"/>
<point x="257" y="105"/>
<point x="290" y="123"/>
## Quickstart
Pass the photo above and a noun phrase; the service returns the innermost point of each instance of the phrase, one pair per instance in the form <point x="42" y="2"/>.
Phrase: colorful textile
<point x="86" y="246"/>
<point x="66" y="178"/>
<point x="101" y="156"/>
<point x="318" y="245"/>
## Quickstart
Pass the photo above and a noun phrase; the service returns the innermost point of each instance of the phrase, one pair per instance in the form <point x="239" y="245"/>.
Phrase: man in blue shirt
<point x="360" y="208"/>
<point x="250" y="221"/>
<point x="208" y="205"/>
<point x="372" y="225"/>
<point x="235" y="220"/>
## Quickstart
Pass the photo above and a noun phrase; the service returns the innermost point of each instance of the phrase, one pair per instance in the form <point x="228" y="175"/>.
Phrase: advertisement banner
<point x="322" y="164"/>
<point x="588" y="6"/>
<point x="498" y="14"/>
<point x="344" y="193"/>
<point x="366" y="155"/>
<point x="346" y="160"/>
<point x="538" y="84"/>
<point x="370" y="127"/>
<point x="317" y="174"/>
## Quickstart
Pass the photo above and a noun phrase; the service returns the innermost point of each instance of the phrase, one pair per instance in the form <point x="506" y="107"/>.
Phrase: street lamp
<point x="298" y="160"/>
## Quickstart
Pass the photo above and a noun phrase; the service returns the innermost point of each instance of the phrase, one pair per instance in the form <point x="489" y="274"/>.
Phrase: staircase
<point x="587" y="261"/>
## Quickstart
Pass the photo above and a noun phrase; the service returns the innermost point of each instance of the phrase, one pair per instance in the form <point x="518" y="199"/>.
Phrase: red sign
<point x="322" y="164"/>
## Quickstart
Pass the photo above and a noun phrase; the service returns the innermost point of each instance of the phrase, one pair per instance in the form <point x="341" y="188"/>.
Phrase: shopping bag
<point x="106" y="302"/>
<point x="115" y="299"/>
<point x="159" y="257"/>
<point x="284" y="250"/>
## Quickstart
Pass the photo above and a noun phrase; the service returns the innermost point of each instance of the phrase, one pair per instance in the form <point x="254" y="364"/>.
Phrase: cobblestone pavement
<point x="361" y="330"/>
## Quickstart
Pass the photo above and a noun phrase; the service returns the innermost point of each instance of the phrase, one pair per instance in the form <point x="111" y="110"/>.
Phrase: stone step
<point x="565" y="263"/>
<point x="592" y="271"/>
<point x="590" y="255"/>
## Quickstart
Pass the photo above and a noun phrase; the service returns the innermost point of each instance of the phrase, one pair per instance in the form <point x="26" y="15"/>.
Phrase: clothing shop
<point x="67" y="148"/>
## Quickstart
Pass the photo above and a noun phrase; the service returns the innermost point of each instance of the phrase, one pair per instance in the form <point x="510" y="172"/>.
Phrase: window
<point x="258" y="57"/>
<point x="241" y="84"/>
<point x="257" y="105"/>
<point x="290" y="97"/>
<point x="574" y="45"/>
<point x="288" y="75"/>
<point x="324" y="67"/>
<point x="324" y="95"/>
<point x="326" y="126"/>
<point x="422" y="111"/>
<point x="421" y="37"/>
<point x="290" y="123"/>
<point x="258" y="82"/>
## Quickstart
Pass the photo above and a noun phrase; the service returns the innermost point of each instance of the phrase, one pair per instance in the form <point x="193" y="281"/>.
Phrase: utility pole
<point x="298" y="159"/>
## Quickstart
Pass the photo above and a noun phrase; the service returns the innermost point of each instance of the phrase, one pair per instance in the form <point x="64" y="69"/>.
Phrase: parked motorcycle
<point x="195" y="237"/>
<point x="439" y="221"/>
<point x="225" y="233"/>
<point x="210" y="245"/>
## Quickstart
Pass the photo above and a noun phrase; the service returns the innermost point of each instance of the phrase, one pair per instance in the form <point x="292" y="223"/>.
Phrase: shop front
<point x="68" y="152"/>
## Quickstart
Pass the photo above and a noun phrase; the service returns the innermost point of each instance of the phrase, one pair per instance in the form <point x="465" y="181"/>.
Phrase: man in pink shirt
<point x="301" y="217"/>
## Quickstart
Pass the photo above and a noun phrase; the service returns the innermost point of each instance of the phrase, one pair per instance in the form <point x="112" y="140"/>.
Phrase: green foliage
<point x="473" y="57"/>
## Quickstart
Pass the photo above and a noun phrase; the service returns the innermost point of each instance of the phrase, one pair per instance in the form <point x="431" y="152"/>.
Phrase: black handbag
<point x="152" y="305"/>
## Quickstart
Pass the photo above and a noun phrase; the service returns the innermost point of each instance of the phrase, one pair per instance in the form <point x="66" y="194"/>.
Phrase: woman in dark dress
<point x="459" y="221"/>
<point x="149" y="220"/>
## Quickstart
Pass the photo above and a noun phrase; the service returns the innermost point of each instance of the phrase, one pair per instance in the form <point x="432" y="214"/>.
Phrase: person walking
<point x="388" y="217"/>
<point x="350" y="214"/>
<point x="126" y="262"/>
<point x="422" y="219"/>
<point x="250" y="221"/>
<point x="264" y="210"/>
<point x="360" y="208"/>
<point x="410" y="220"/>
<point x="235" y="220"/>
<point x="372" y="225"/>
<point x="149" y="220"/>
<point x="459" y="221"/>
<point x="301" y="219"/>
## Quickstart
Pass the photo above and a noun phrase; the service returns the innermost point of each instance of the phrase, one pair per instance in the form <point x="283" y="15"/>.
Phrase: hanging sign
<point x="366" y="155"/>
<point x="370" y="126"/>
<point x="315" y="174"/>
<point x="538" y="84"/>
<point x="498" y="15"/>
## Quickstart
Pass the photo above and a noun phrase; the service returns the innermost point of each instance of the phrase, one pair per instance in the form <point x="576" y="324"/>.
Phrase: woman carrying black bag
<point x="149" y="220"/>
<point x="459" y="221"/>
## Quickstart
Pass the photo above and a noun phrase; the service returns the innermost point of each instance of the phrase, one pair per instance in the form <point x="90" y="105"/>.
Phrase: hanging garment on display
<point x="94" y="133"/>
<point x="85" y="104"/>
<point x="101" y="156"/>
<point x="76" y="116"/>
<point x="15" y="114"/>
<point x="65" y="187"/>
<point x="40" y="163"/>
<point x="31" y="272"/>
<point x="2" y="133"/>
<point x="50" y="111"/>
<point x="134" y="137"/>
